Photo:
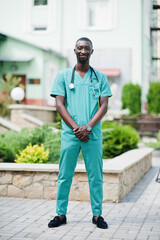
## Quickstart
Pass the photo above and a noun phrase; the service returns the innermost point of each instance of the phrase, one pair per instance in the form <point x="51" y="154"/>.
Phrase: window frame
<point x="51" y="21"/>
<point x="83" y="18"/>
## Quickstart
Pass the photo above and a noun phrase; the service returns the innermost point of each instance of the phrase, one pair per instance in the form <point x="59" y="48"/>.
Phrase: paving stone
<point x="137" y="217"/>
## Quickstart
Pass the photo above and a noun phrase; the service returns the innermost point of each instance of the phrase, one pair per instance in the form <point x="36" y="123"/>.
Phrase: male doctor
<point x="81" y="100"/>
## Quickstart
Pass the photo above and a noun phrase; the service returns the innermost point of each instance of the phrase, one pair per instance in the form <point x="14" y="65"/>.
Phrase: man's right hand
<point x="84" y="139"/>
<point x="81" y="133"/>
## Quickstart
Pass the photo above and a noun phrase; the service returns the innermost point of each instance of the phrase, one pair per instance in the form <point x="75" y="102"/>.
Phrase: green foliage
<point x="109" y="124"/>
<point x="153" y="98"/>
<point x="131" y="98"/>
<point x="6" y="153"/>
<point x="10" y="82"/>
<point x="33" y="154"/>
<point x="155" y="145"/>
<point x="118" y="139"/>
<point x="158" y="136"/>
<point x="7" y="85"/>
<point x="12" y="142"/>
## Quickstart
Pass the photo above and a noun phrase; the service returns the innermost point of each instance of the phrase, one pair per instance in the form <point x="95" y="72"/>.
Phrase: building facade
<point x="119" y="29"/>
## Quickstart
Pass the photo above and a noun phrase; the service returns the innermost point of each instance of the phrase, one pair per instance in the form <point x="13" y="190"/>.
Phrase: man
<point x="78" y="93"/>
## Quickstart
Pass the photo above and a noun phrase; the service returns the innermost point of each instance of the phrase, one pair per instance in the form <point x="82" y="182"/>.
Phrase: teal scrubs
<point x="81" y="103"/>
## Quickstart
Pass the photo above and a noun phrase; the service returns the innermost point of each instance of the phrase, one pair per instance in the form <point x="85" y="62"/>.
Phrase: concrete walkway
<point x="136" y="217"/>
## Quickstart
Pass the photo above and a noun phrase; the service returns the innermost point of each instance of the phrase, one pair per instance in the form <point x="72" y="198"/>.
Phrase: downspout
<point x="142" y="55"/>
<point x="61" y="27"/>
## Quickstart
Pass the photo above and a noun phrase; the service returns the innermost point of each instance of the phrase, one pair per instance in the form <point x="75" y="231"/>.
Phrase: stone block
<point x="22" y="181"/>
<point x="3" y="190"/>
<point x="84" y="191"/>
<point x="50" y="193"/>
<point x="53" y="176"/>
<point x="48" y="183"/>
<point x="81" y="177"/>
<point x="34" y="191"/>
<point x="15" y="192"/>
<point x="84" y="186"/>
<point x="5" y="178"/>
<point x="74" y="181"/>
<point x="110" y="192"/>
<point x="74" y="193"/>
<point x="111" y="177"/>
<point x="38" y="177"/>
<point x="84" y="195"/>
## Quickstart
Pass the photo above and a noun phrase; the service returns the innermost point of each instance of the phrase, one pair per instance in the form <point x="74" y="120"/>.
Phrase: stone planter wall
<point x="40" y="180"/>
<point x="44" y="114"/>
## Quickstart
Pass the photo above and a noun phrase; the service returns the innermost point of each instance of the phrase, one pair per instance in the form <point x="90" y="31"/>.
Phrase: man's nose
<point x="83" y="50"/>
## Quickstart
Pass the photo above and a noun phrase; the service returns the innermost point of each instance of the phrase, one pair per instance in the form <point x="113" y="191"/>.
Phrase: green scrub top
<point x="82" y="101"/>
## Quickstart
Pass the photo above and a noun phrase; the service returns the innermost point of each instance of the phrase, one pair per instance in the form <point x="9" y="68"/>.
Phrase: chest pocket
<point x="95" y="90"/>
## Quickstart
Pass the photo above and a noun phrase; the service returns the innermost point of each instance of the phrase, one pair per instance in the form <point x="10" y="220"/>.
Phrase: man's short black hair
<point x="85" y="39"/>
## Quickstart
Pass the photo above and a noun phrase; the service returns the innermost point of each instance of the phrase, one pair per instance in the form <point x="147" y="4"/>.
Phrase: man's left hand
<point x="81" y="132"/>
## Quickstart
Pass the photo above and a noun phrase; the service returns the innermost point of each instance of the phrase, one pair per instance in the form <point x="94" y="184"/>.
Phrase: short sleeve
<point x="105" y="88"/>
<point x="58" y="87"/>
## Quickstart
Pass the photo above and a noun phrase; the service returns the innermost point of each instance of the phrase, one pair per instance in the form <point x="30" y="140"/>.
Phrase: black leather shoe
<point x="100" y="222"/>
<point x="56" y="222"/>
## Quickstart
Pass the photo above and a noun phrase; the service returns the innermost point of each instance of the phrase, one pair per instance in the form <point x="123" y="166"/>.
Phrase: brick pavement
<point x="136" y="217"/>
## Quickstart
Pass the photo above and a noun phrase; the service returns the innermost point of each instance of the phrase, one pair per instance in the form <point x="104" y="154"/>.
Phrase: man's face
<point x="83" y="51"/>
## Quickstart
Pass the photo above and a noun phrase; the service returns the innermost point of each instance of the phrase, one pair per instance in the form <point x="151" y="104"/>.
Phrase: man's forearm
<point x="100" y="113"/>
<point x="97" y="117"/>
<point x="66" y="116"/>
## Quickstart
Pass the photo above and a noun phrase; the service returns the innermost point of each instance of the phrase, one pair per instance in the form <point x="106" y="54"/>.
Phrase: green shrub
<point x="155" y="145"/>
<point x="33" y="154"/>
<point x="131" y="98"/>
<point x="153" y="98"/>
<point x="158" y="136"/>
<point x="12" y="142"/>
<point x="6" y="153"/>
<point x="7" y="85"/>
<point x="118" y="139"/>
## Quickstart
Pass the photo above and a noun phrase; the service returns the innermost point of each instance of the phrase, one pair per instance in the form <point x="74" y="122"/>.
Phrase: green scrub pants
<point x="92" y="154"/>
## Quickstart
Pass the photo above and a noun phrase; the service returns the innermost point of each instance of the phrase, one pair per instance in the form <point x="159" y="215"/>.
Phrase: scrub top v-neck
<point x="82" y="101"/>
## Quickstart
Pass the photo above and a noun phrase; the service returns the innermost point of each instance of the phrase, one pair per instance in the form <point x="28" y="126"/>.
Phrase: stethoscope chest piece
<point x="71" y="86"/>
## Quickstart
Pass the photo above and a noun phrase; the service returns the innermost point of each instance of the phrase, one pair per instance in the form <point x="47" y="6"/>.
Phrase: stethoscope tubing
<point x="71" y="85"/>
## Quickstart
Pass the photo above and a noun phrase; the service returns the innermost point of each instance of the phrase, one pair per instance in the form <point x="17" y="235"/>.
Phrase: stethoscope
<point x="71" y="85"/>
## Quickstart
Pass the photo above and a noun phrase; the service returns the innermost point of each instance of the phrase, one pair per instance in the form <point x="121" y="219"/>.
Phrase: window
<point x="40" y="28"/>
<point x="34" y="81"/>
<point x="40" y="16"/>
<point x="40" y="2"/>
<point x="98" y="14"/>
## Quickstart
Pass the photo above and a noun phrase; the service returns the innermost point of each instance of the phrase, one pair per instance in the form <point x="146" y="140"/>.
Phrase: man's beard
<point x="83" y="60"/>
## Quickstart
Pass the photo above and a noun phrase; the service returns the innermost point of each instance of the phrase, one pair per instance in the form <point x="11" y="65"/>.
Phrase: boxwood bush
<point x="153" y="98"/>
<point x="131" y="98"/>
<point x="118" y="139"/>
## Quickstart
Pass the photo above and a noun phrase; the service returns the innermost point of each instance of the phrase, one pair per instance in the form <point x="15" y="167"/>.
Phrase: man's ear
<point x="74" y="50"/>
<point x="92" y="51"/>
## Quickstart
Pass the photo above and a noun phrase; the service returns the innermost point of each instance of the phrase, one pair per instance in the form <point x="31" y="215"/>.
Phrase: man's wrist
<point x="75" y="126"/>
<point x="89" y="128"/>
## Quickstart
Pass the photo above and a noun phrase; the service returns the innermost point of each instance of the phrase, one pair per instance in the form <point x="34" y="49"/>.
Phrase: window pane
<point x="91" y="14"/>
<point x="34" y="81"/>
<point x="40" y="28"/>
<point x="40" y="2"/>
<point x="99" y="13"/>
